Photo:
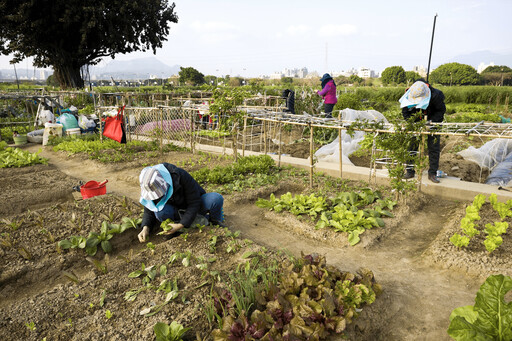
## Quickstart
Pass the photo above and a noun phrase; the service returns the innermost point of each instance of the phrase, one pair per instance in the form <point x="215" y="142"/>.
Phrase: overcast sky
<point x="251" y="38"/>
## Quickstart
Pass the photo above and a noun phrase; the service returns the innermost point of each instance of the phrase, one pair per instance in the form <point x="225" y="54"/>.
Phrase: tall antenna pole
<point x="431" y="44"/>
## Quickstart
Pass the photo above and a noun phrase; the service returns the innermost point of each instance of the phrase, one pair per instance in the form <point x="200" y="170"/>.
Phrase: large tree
<point x="393" y="75"/>
<point x="455" y="74"/>
<point x="70" y="34"/>
<point x="190" y="76"/>
<point x="497" y="75"/>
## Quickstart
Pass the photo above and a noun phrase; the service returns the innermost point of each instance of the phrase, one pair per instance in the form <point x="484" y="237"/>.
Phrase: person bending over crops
<point x="328" y="93"/>
<point x="419" y="101"/>
<point x="169" y="192"/>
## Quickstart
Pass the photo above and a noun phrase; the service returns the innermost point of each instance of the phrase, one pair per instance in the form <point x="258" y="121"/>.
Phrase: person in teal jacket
<point x="328" y="93"/>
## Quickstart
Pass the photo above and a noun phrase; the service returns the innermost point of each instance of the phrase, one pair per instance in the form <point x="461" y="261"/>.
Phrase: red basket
<point x="93" y="188"/>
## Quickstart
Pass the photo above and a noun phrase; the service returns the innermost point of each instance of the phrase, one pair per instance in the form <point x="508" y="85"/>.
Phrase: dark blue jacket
<point x="186" y="195"/>
<point x="435" y="110"/>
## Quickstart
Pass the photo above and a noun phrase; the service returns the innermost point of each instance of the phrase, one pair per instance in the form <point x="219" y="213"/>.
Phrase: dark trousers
<point x="434" y="151"/>
<point x="328" y="109"/>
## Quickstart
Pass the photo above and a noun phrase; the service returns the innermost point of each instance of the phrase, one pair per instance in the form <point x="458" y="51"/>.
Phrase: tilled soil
<point x="61" y="290"/>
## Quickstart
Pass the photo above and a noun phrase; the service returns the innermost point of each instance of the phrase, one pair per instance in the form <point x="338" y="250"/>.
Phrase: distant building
<point x="303" y="72"/>
<point x="294" y="73"/>
<point x="347" y="73"/>
<point x="420" y="70"/>
<point x="482" y="66"/>
<point x="365" y="72"/>
<point x="276" y="75"/>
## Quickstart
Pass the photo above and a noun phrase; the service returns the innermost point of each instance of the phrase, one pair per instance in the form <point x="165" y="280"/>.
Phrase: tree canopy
<point x="191" y="76"/>
<point x="411" y="76"/>
<point x="393" y="75"/>
<point x="497" y="75"/>
<point x="455" y="74"/>
<point x="70" y="34"/>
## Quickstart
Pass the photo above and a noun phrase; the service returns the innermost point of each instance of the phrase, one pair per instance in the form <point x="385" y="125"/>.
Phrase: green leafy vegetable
<point x="172" y="332"/>
<point x="490" y="318"/>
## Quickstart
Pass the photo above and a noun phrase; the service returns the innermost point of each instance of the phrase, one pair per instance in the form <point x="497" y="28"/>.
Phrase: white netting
<point x="331" y="151"/>
<point x="490" y="154"/>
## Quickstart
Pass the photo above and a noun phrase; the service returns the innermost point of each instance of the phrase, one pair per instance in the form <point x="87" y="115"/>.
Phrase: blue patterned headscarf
<point x="417" y="96"/>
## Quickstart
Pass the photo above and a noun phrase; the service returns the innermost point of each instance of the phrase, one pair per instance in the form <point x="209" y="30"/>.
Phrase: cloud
<point x="298" y="30"/>
<point x="215" y="32"/>
<point x="337" y="30"/>
<point x="210" y="26"/>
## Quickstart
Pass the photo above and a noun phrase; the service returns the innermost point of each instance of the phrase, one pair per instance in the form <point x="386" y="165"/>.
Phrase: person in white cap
<point x="165" y="190"/>
<point x="419" y="101"/>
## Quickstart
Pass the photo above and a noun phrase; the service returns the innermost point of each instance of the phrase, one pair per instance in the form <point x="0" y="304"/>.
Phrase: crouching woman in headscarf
<point x="169" y="192"/>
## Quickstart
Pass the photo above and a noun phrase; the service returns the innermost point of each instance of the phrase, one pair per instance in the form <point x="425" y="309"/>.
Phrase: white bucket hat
<point x="152" y="184"/>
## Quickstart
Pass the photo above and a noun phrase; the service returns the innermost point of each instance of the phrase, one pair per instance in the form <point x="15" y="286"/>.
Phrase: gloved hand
<point x="175" y="228"/>
<point x="144" y="234"/>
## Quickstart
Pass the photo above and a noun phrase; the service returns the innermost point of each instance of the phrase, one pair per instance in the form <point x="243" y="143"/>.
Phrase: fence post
<point x="192" y="132"/>
<point x="244" y="136"/>
<point x="235" y="150"/>
<point x="340" y="146"/>
<point x="279" y="160"/>
<point x="311" y="147"/>
<point x="161" y="131"/>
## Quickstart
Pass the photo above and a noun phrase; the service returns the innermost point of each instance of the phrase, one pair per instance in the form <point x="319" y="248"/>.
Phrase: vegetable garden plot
<point x="62" y="293"/>
<point x="477" y="240"/>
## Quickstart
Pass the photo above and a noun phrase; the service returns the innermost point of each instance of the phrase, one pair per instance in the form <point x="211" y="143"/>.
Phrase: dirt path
<point x="418" y="296"/>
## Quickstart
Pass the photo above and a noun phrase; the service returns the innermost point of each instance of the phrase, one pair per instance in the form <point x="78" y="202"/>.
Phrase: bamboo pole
<point x="192" y="132"/>
<point x="161" y="131"/>
<point x="235" y="150"/>
<point x="279" y="158"/>
<point x="311" y="157"/>
<point x="421" y="152"/>
<point x="264" y="138"/>
<point x="244" y="136"/>
<point x="373" y="165"/>
<point x="340" y="147"/>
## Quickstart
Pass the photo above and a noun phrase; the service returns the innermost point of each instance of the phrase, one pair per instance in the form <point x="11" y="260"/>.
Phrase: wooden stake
<point x="244" y="137"/>
<point x="340" y="147"/>
<point x="311" y="156"/>
<point x="265" y="138"/>
<point x="162" y="131"/>
<point x="235" y="150"/>
<point x="279" y="160"/>
<point x="421" y="152"/>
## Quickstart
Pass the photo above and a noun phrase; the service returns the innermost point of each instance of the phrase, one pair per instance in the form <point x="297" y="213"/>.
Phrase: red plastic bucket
<point x="93" y="188"/>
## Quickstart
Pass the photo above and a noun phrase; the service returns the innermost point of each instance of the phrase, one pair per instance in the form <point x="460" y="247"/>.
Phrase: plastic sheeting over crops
<point x="495" y="155"/>
<point x="350" y="144"/>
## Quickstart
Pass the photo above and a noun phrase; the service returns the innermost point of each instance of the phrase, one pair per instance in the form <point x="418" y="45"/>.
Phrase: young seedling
<point x="6" y="240"/>
<point x="13" y="224"/>
<point x="31" y="326"/>
<point x="151" y="246"/>
<point x="72" y="277"/>
<point x="102" y="297"/>
<point x="103" y="268"/>
<point x="108" y="314"/>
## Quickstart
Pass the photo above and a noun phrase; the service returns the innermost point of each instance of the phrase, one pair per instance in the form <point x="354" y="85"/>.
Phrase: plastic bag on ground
<point x="85" y="123"/>
<point x="45" y="116"/>
<point x="68" y="121"/>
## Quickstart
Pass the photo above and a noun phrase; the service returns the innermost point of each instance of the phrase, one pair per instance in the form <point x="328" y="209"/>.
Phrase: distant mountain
<point x="141" y="68"/>
<point x="477" y="57"/>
